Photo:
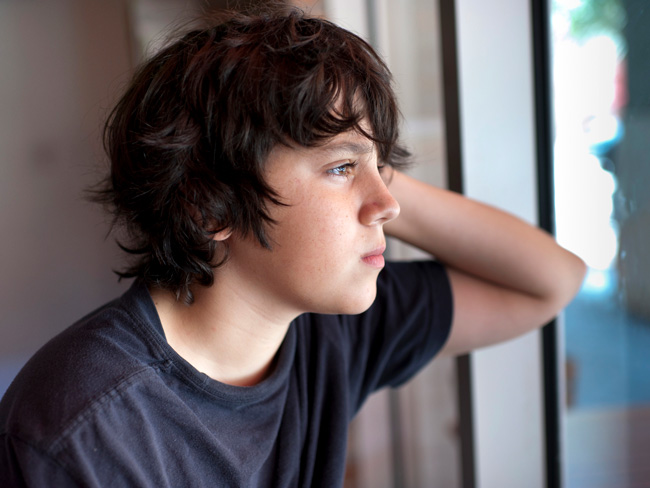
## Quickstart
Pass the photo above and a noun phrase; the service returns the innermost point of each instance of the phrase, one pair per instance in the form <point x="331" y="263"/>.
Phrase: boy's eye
<point x="343" y="170"/>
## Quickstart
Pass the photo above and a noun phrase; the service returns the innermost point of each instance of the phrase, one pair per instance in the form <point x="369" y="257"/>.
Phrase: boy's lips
<point x="375" y="258"/>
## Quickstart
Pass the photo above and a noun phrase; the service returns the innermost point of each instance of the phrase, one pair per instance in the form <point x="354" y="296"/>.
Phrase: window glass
<point x="602" y="174"/>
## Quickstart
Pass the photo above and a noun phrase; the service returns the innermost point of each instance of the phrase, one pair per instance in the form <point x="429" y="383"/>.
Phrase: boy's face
<point x="327" y="243"/>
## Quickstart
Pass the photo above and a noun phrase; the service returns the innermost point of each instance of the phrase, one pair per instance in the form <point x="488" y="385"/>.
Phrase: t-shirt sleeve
<point x="22" y="465"/>
<point x="406" y="326"/>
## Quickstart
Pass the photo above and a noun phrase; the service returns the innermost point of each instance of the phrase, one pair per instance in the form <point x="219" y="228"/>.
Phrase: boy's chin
<point x="357" y="304"/>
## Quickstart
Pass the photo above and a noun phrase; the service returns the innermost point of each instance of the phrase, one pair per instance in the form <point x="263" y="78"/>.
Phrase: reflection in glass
<point x="602" y="199"/>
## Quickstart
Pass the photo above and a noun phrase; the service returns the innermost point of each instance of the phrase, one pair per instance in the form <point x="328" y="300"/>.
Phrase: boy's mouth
<point x="375" y="258"/>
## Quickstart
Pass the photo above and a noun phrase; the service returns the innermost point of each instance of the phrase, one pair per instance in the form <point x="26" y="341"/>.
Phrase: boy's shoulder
<point x="80" y="369"/>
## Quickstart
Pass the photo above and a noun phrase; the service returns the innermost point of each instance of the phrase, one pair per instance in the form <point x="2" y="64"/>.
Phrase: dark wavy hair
<point x="188" y="140"/>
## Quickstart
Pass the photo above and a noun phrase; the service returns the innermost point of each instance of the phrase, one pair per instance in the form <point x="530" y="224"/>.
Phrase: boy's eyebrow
<point x="347" y="147"/>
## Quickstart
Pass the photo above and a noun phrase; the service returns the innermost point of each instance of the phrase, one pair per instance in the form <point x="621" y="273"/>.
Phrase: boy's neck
<point x="222" y="334"/>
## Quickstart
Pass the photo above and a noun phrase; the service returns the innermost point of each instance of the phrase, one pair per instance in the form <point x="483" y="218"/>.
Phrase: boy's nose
<point x="380" y="206"/>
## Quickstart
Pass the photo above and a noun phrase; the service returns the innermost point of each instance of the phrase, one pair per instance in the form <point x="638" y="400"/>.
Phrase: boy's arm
<point x="507" y="276"/>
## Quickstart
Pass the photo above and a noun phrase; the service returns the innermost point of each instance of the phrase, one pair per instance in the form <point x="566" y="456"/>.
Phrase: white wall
<point x="498" y="146"/>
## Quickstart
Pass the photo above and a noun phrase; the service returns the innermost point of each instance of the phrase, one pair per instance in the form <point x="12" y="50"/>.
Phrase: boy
<point x="255" y="165"/>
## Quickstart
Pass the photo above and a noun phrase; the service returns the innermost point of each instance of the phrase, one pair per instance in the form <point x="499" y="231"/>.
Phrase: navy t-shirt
<point x="109" y="403"/>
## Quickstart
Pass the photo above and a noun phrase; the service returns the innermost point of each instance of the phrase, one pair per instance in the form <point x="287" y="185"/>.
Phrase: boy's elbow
<point x="569" y="281"/>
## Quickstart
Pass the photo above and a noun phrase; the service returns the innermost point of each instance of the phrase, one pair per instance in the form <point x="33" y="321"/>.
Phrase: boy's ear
<point x="220" y="235"/>
<point x="223" y="234"/>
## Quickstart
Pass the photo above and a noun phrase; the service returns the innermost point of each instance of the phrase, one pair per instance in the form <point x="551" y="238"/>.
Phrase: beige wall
<point x="61" y="64"/>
